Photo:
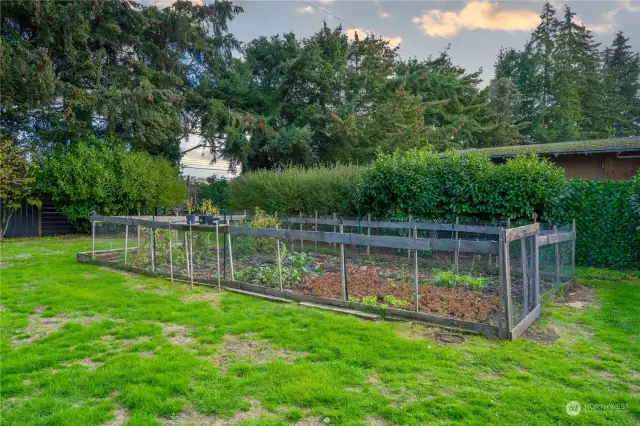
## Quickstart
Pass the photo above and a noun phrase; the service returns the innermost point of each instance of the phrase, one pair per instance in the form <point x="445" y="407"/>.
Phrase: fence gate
<point x="519" y="280"/>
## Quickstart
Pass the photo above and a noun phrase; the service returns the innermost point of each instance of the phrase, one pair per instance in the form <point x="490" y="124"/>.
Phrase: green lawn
<point x="83" y="345"/>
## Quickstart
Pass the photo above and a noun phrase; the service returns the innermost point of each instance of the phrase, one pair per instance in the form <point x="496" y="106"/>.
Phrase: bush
<point x="108" y="179"/>
<point x="606" y="224"/>
<point x="424" y="185"/>
<point x="288" y="192"/>
<point x="217" y="190"/>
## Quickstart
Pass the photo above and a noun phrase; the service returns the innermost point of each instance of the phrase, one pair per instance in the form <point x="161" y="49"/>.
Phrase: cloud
<point x="606" y="27"/>
<point x="307" y="9"/>
<point x="629" y="6"/>
<point x="325" y="1"/>
<point x="476" y="15"/>
<point x="384" y="15"/>
<point x="362" y="33"/>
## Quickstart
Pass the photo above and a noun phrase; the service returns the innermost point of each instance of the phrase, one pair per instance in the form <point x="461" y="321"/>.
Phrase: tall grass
<point x="328" y="190"/>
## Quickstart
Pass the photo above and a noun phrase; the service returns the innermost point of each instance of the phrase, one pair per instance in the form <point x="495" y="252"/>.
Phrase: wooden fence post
<point x="410" y="236"/>
<point x="301" y="239"/>
<point x="93" y="240"/>
<point x="233" y="278"/>
<point x="218" y="252"/>
<point x="315" y="229"/>
<point x="557" y="251"/>
<point x="506" y="319"/>
<point x="126" y="243"/>
<point x="170" y="253"/>
<point x="335" y="217"/>
<point x="279" y="260"/>
<point x="573" y="251"/>
<point x="457" y="253"/>
<point x="186" y="253"/>
<point x="525" y="267"/>
<point x="151" y="249"/>
<point x="343" y="269"/>
<point x="415" y="274"/>
<point x="191" y="254"/>
<point x="536" y="270"/>
<point x="368" y="233"/>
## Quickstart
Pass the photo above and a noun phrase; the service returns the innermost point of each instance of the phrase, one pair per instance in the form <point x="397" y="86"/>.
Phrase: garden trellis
<point x="486" y="278"/>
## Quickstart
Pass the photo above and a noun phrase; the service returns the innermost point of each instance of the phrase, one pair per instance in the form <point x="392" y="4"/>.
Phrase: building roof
<point x="630" y="144"/>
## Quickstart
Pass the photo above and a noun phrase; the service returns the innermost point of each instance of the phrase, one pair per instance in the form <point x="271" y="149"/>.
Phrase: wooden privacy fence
<point x="515" y="249"/>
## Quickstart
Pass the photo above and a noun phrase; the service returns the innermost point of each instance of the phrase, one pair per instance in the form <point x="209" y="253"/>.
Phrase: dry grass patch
<point x="121" y="415"/>
<point x="210" y="297"/>
<point x="191" y="417"/>
<point x="251" y="351"/>
<point x="579" y="297"/>
<point x="40" y="327"/>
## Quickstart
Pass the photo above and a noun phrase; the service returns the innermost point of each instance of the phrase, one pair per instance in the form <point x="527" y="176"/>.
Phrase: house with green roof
<point x="593" y="159"/>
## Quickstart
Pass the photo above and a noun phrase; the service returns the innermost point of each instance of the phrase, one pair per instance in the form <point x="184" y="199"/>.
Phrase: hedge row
<point x="422" y="184"/>
<point x="606" y="223"/>
<point x="290" y="191"/>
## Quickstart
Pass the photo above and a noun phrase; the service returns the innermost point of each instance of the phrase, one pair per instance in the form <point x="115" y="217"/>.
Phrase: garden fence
<point x="482" y="277"/>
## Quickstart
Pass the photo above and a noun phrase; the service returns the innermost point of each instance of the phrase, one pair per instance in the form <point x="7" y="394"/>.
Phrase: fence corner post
<point x="505" y="317"/>
<point x="557" y="253"/>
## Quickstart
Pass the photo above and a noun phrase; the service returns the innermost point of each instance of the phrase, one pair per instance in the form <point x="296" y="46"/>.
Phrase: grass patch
<point x="82" y="345"/>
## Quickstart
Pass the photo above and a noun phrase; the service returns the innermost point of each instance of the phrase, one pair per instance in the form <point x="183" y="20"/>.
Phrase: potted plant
<point x="191" y="218"/>
<point x="210" y="211"/>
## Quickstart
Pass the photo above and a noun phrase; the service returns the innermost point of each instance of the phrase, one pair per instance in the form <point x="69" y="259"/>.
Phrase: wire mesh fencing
<point x="471" y="273"/>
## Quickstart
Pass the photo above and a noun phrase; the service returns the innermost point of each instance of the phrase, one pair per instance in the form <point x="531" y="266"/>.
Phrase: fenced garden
<point x="476" y="276"/>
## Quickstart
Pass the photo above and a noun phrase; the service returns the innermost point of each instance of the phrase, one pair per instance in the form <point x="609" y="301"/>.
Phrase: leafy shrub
<point x="396" y="303"/>
<point x="422" y="184"/>
<point x="369" y="300"/>
<point x="449" y="279"/>
<point x="109" y="179"/>
<point x="606" y="225"/>
<point x="290" y="191"/>
<point x="216" y="190"/>
<point x="294" y="267"/>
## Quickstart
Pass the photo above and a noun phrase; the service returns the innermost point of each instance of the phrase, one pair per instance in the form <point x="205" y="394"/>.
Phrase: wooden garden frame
<point x="505" y="329"/>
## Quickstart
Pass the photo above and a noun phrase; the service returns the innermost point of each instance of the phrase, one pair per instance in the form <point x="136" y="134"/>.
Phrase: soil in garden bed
<point x="372" y="281"/>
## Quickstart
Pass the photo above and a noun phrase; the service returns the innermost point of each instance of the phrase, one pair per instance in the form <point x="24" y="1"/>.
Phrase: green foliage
<point x="108" y="179"/>
<point x="217" y="190"/>
<point x="114" y="68"/>
<point x="424" y="185"/>
<point x="295" y="265"/>
<point x="293" y="190"/>
<point x="607" y="227"/>
<point x="396" y="303"/>
<point x="571" y="88"/>
<point x="449" y="279"/>
<point x="369" y="300"/>
<point x="17" y="182"/>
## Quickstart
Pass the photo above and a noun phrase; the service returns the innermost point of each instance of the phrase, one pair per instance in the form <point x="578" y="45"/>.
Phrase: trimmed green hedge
<point x="606" y="223"/>
<point x="290" y="191"/>
<point x="423" y="184"/>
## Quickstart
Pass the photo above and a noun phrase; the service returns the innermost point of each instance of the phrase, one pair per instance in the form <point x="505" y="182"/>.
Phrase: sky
<point x="475" y="30"/>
